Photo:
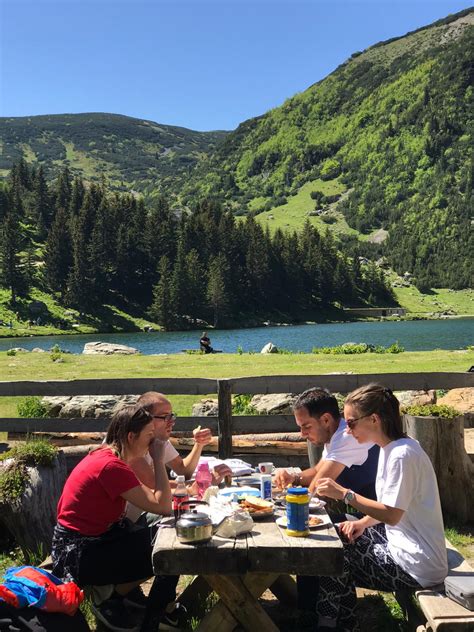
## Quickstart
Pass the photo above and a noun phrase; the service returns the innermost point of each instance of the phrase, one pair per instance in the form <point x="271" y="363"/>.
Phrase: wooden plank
<point x="271" y="550"/>
<point x="110" y="386"/>
<point x="242" y="604"/>
<point x="240" y="425"/>
<point x="224" y="396"/>
<point x="348" y="382"/>
<point x="170" y="557"/>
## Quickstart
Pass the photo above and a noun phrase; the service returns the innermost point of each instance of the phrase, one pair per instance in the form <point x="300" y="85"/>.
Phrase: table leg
<point x="238" y="603"/>
<point x="194" y="597"/>
<point x="285" y="590"/>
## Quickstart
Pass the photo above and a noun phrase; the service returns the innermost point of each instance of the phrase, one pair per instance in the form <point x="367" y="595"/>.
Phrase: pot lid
<point x="194" y="519"/>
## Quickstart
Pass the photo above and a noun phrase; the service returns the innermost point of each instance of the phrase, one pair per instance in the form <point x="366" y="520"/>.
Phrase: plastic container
<point x="266" y="487"/>
<point x="203" y="478"/>
<point x="297" y="512"/>
<point x="180" y="496"/>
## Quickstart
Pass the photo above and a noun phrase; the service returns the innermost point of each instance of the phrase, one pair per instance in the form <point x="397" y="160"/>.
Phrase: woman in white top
<point x="399" y="543"/>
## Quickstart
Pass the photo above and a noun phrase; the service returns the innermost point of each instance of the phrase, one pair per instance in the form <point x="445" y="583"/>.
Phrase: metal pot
<point x="194" y="527"/>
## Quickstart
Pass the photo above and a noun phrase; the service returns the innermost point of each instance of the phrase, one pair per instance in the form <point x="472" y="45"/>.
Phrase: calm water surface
<point x="419" y="335"/>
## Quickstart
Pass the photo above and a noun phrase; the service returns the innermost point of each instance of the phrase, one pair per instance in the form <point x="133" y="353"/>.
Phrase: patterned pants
<point x="367" y="564"/>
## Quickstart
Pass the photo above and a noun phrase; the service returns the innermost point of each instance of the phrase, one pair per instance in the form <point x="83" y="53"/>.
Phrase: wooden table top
<point x="266" y="549"/>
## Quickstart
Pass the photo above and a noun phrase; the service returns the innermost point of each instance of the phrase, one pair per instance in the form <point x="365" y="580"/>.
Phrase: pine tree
<point x="162" y="310"/>
<point x="217" y="294"/>
<point x="58" y="255"/>
<point x="41" y="205"/>
<point x="12" y="271"/>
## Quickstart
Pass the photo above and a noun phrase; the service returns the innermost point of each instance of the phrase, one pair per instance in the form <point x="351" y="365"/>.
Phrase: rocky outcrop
<point x="269" y="348"/>
<point x="86" y="405"/>
<point x="416" y="398"/>
<point x="274" y="404"/>
<point x="107" y="348"/>
<point x="461" y="399"/>
<point x="205" y="408"/>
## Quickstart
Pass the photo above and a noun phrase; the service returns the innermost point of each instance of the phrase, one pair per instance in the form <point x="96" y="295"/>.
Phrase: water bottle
<point x="203" y="478"/>
<point x="180" y="495"/>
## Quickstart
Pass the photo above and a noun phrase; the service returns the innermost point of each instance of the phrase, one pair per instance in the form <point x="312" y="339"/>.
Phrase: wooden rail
<point x="225" y="425"/>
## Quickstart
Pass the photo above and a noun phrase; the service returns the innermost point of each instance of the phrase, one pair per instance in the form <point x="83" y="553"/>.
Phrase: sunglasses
<point x="352" y="422"/>
<point x="169" y="418"/>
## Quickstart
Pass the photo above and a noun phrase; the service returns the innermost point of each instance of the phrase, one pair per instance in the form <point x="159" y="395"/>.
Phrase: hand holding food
<point x="282" y="478"/>
<point x="219" y="472"/>
<point x="331" y="489"/>
<point x="202" y="436"/>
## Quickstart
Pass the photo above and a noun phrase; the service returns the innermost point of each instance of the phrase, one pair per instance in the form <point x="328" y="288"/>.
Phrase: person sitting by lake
<point x="161" y="412"/>
<point x="399" y="543"/>
<point x="94" y="545"/>
<point x="205" y="343"/>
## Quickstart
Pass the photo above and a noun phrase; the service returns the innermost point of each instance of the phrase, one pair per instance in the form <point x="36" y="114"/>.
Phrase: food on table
<point x="255" y="505"/>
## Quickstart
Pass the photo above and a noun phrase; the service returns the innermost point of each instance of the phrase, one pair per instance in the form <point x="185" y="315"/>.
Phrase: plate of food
<point x="257" y="507"/>
<point x="316" y="503"/>
<point x="314" y="522"/>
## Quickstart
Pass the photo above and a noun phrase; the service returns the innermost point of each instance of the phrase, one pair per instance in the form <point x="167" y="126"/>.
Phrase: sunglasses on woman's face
<point x="352" y="422"/>
<point x="169" y="418"/>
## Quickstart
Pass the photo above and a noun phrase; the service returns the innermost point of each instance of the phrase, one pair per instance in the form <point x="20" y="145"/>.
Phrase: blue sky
<point x="202" y="64"/>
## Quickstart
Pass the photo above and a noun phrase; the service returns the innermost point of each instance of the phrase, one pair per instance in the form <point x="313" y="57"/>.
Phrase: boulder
<point x="86" y="405"/>
<point x="269" y="348"/>
<point x="461" y="399"/>
<point x="37" y="307"/>
<point x="205" y="408"/>
<point x="19" y="350"/>
<point x="38" y="350"/>
<point x="107" y="348"/>
<point x="416" y="398"/>
<point x="274" y="403"/>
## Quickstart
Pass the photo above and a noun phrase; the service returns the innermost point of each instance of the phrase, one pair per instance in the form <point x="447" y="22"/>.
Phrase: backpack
<point x="34" y="620"/>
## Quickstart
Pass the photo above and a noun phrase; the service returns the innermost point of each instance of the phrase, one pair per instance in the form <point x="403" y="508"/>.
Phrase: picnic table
<point x="240" y="569"/>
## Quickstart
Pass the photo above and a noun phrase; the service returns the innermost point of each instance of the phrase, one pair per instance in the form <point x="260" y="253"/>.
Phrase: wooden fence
<point x="225" y="425"/>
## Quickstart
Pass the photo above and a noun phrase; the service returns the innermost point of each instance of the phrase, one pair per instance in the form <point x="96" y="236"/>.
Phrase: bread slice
<point x="258" y="503"/>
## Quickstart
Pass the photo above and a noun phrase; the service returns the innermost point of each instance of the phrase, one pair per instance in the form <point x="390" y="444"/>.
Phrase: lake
<point x="420" y="335"/>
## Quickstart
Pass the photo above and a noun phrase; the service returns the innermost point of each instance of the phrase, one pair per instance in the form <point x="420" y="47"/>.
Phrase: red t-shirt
<point x="91" y="500"/>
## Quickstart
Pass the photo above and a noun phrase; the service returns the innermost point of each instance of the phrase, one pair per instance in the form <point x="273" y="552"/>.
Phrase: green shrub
<point x="11" y="352"/>
<point x="395" y="348"/>
<point x="240" y="350"/>
<point x="241" y="405"/>
<point x="14" y="476"/>
<point x="352" y="348"/>
<point x="432" y="410"/>
<point x="31" y="407"/>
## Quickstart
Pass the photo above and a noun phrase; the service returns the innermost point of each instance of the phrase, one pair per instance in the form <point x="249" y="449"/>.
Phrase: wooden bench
<point x="441" y="613"/>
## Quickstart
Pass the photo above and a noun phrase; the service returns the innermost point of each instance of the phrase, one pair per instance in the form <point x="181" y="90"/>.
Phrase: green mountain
<point x="131" y="153"/>
<point x="382" y="146"/>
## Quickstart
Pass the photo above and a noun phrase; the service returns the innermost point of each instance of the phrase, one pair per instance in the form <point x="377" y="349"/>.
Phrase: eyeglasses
<point x="169" y="418"/>
<point x="352" y="422"/>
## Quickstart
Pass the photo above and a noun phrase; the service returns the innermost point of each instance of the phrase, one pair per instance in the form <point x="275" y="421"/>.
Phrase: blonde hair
<point x="376" y="398"/>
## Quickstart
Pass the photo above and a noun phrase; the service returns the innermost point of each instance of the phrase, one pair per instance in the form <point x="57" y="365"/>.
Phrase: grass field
<point x="439" y="300"/>
<point x="27" y="366"/>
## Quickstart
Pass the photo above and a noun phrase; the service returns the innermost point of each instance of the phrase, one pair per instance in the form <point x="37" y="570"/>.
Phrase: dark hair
<point x="127" y="419"/>
<point x="376" y="398"/>
<point x="318" y="401"/>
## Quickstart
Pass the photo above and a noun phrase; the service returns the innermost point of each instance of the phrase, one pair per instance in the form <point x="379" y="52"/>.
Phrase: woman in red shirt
<point x="93" y="544"/>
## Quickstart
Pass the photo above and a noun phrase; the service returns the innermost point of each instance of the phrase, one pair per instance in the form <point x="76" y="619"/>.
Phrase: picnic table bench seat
<point x="441" y="613"/>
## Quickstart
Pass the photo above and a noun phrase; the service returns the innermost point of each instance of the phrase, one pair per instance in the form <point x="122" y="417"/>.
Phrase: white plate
<point x="316" y="503"/>
<point x="326" y="521"/>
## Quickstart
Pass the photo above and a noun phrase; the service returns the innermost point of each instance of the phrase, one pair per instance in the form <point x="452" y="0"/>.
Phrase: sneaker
<point x="113" y="614"/>
<point x="136" y="599"/>
<point x="175" y="619"/>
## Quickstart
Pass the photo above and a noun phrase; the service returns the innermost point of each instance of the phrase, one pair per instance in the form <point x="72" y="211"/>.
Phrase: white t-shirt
<point x="133" y="512"/>
<point x="406" y="480"/>
<point x="344" y="449"/>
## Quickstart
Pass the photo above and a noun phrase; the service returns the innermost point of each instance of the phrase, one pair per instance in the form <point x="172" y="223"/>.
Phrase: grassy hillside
<point x="392" y="126"/>
<point x="129" y="152"/>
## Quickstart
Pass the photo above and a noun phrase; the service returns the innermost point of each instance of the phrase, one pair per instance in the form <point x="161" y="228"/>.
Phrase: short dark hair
<point x="318" y="401"/>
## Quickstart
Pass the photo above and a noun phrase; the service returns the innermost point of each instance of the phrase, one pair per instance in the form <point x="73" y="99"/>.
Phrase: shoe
<point x="113" y="614"/>
<point x="174" y="620"/>
<point x="135" y="599"/>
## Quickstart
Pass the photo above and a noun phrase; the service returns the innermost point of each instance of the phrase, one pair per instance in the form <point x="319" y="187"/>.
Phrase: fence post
<point x="224" y="403"/>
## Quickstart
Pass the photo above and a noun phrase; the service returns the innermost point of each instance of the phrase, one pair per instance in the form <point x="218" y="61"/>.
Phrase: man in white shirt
<point x="343" y="459"/>
<point x="164" y="419"/>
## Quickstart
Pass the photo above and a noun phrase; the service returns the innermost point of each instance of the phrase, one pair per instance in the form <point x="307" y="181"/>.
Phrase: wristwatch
<point x="349" y="497"/>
